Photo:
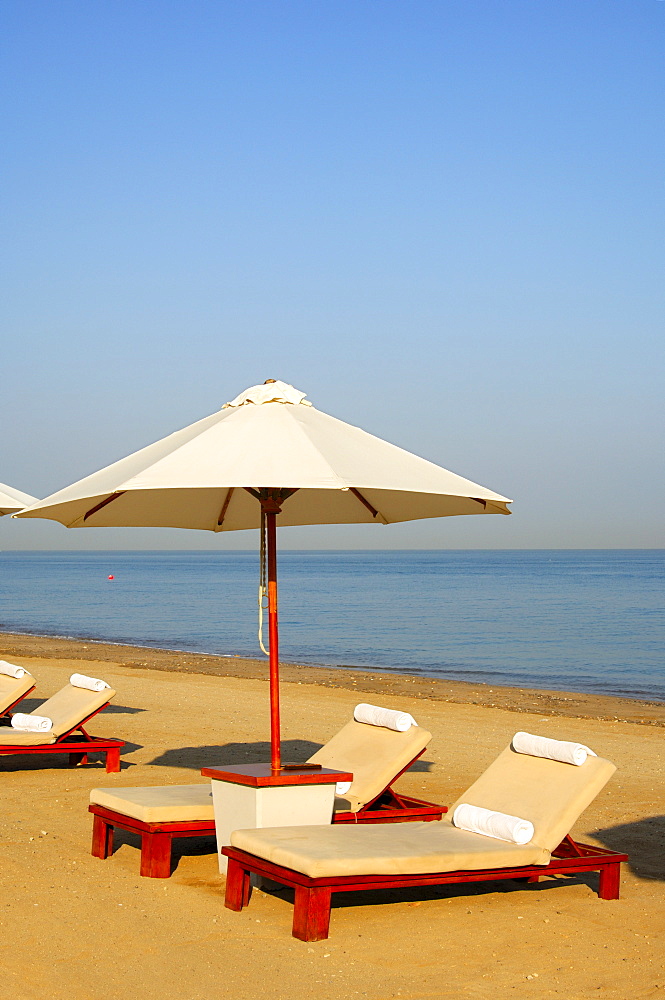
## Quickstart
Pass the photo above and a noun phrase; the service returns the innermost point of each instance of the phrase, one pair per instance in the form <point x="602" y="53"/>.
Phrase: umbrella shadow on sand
<point x="233" y="753"/>
<point x="642" y="841"/>
<point x="293" y="751"/>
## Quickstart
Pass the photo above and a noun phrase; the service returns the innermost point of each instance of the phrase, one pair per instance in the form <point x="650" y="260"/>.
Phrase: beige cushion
<point x="71" y="705"/>
<point x="12" y="688"/>
<point x="67" y="708"/>
<point x="159" y="804"/>
<point x="14" y="738"/>
<point x="383" y="849"/>
<point x="550" y="794"/>
<point x="374" y="755"/>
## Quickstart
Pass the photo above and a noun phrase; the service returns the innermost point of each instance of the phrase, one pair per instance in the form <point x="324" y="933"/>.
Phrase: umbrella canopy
<point x="197" y="477"/>
<point x="12" y="500"/>
<point x="267" y="454"/>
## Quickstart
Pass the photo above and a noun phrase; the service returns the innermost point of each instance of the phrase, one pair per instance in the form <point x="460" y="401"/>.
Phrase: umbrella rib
<point x="358" y="495"/>
<point x="225" y="506"/>
<point x="93" y="510"/>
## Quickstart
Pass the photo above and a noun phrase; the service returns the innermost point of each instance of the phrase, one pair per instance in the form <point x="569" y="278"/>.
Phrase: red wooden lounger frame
<point x="391" y="807"/>
<point x="311" y="911"/>
<point x="387" y="807"/>
<point x="8" y="711"/>
<point x="78" y="747"/>
<point x="155" y="837"/>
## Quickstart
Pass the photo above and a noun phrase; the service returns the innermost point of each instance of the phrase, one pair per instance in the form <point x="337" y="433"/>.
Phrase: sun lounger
<point x="13" y="690"/>
<point x="375" y="756"/>
<point x="69" y="711"/>
<point x="319" y="860"/>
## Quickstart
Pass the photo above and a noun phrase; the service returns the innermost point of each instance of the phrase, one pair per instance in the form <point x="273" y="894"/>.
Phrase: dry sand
<point x="79" y="928"/>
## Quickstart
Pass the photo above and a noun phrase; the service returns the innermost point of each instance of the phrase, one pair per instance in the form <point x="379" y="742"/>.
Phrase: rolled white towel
<point x="91" y="683"/>
<point x="12" y="670"/>
<point x="542" y="746"/>
<point x="372" y="715"/>
<point x="31" y="723"/>
<point x="342" y="787"/>
<point x="498" y="825"/>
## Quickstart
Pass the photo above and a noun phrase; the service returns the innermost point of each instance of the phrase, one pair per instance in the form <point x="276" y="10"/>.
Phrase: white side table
<point x="252" y="796"/>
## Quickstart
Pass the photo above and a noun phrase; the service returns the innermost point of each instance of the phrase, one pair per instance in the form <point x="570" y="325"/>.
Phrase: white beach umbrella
<point x="267" y="454"/>
<point x="12" y="500"/>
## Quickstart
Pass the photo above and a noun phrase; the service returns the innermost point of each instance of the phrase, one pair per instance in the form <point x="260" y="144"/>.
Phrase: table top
<point x="262" y="775"/>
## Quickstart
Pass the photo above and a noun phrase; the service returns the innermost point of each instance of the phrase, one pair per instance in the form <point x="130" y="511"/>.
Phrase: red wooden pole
<point x="273" y="633"/>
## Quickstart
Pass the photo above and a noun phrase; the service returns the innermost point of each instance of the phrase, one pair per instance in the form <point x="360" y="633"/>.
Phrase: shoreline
<point x="555" y="703"/>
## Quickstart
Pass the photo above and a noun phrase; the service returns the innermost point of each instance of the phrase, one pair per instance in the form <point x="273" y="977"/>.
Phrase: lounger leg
<point x="238" y="885"/>
<point x="156" y="855"/>
<point x="77" y="758"/>
<point x="113" y="760"/>
<point x="311" y="913"/>
<point x="102" y="838"/>
<point x="608" y="884"/>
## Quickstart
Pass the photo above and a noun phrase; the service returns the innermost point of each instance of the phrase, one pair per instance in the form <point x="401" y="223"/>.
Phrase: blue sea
<point x="577" y="620"/>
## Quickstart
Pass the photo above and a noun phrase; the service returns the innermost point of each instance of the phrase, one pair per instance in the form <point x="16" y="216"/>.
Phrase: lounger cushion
<point x="383" y="849"/>
<point x="15" y="738"/>
<point x="550" y="794"/>
<point x="373" y="755"/>
<point x="159" y="804"/>
<point x="12" y="688"/>
<point x="71" y="705"/>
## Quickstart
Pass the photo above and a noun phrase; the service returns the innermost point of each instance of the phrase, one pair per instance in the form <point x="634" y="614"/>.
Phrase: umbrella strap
<point x="263" y="578"/>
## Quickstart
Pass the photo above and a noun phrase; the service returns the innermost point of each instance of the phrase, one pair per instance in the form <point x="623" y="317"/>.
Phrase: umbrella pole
<point x="275" y="749"/>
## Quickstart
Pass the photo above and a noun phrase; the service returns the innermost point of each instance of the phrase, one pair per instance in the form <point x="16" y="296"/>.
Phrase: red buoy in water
<point x="111" y="577"/>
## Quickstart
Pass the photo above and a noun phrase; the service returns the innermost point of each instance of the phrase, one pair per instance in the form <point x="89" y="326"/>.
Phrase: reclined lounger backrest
<point x="12" y="688"/>
<point x="550" y="794"/>
<point x="374" y="755"/>
<point x="71" y="705"/>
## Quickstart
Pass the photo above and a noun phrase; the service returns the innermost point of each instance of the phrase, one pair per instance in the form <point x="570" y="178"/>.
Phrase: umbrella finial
<point x="272" y="391"/>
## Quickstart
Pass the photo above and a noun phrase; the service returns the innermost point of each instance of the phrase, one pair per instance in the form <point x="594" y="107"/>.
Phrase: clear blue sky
<point x="442" y="220"/>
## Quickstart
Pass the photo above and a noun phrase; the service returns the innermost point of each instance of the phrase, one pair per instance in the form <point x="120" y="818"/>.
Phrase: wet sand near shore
<point x="563" y="703"/>
<point x="78" y="928"/>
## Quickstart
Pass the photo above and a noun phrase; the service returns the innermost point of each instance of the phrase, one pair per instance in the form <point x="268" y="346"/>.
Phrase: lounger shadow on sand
<point x="643" y="839"/>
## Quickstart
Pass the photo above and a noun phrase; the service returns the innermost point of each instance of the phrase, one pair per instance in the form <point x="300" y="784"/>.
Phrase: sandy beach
<point x="79" y="928"/>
